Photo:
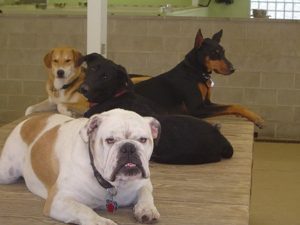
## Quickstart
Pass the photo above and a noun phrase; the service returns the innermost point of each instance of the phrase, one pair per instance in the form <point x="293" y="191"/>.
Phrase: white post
<point x="97" y="26"/>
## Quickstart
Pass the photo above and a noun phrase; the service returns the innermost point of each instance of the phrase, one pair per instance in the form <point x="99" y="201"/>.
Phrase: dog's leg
<point x="68" y="210"/>
<point x="43" y="106"/>
<point x="73" y="109"/>
<point x="211" y="110"/>
<point x="12" y="158"/>
<point x="145" y="210"/>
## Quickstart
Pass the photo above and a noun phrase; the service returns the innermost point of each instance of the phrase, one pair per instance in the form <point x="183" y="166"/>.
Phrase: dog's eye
<point x="110" y="140"/>
<point x="143" y="139"/>
<point x="105" y="76"/>
<point x="68" y="60"/>
<point x="55" y="60"/>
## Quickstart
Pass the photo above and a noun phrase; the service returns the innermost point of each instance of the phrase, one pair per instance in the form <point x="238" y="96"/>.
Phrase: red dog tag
<point x="111" y="206"/>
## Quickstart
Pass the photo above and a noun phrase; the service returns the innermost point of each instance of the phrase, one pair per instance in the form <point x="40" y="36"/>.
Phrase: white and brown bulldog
<point x="80" y="164"/>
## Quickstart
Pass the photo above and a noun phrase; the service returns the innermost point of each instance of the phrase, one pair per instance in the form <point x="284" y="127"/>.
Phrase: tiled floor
<point x="275" y="184"/>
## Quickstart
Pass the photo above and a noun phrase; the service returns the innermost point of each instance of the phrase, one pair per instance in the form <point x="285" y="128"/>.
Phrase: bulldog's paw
<point x="100" y="221"/>
<point x="145" y="213"/>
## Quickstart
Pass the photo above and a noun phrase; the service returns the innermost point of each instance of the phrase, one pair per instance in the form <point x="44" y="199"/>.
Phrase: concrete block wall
<point x="265" y="53"/>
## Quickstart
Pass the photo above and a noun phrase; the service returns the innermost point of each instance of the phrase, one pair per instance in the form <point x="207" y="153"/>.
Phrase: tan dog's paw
<point x="29" y="110"/>
<point x="62" y="109"/>
<point x="145" y="213"/>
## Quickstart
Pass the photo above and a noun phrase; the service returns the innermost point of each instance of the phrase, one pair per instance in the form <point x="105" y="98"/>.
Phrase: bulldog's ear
<point x="91" y="126"/>
<point x="48" y="59"/>
<point x="198" y="39"/>
<point x="217" y="36"/>
<point x="155" y="128"/>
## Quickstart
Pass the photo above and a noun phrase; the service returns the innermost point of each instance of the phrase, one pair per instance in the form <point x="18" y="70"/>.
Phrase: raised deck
<point x="209" y="194"/>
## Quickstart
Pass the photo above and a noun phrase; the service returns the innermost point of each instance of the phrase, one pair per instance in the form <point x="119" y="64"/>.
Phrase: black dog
<point x="183" y="140"/>
<point x="187" y="87"/>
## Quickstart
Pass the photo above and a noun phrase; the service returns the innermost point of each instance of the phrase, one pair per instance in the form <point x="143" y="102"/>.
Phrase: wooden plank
<point x="209" y="194"/>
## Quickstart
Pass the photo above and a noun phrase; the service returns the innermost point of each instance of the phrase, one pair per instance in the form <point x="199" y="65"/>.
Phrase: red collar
<point x="120" y="93"/>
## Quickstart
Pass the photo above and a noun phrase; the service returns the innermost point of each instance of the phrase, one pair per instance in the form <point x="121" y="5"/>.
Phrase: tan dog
<point x="64" y="80"/>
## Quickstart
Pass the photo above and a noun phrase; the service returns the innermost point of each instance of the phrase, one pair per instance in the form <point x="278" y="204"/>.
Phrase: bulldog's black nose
<point x="128" y="148"/>
<point x="60" y="73"/>
<point x="84" y="88"/>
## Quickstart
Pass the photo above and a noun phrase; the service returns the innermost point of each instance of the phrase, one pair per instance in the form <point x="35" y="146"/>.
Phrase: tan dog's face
<point x="63" y="66"/>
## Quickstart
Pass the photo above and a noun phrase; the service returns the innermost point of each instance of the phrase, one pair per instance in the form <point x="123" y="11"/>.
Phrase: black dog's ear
<point x="123" y="75"/>
<point x="198" y="39"/>
<point x="217" y="36"/>
<point x="90" y="57"/>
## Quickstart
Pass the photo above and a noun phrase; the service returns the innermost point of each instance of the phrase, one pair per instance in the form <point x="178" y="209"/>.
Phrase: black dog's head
<point x="104" y="78"/>
<point x="211" y="55"/>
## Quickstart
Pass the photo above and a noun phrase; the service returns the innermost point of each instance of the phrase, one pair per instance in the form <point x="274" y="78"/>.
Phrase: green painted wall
<point x="240" y="8"/>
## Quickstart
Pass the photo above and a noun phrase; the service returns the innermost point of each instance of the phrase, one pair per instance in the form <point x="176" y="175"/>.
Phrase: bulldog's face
<point x="122" y="143"/>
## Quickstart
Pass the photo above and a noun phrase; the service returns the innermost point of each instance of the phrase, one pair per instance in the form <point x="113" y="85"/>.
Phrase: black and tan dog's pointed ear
<point x="217" y="36"/>
<point x="48" y="59"/>
<point x="198" y="39"/>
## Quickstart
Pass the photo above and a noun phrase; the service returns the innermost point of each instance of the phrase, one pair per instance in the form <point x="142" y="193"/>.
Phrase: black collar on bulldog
<point x="104" y="183"/>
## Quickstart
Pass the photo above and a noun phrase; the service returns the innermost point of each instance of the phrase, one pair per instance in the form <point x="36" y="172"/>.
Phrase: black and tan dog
<point x="183" y="140"/>
<point x="187" y="87"/>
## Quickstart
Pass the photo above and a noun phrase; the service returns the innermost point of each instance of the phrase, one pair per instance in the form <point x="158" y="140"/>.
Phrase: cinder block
<point x="268" y="132"/>
<point x="227" y="95"/>
<point x="131" y="27"/>
<point x="9" y="115"/>
<point x="3" y="40"/>
<point x="28" y="72"/>
<point x="244" y="79"/>
<point x="10" y="87"/>
<point x="297" y="80"/>
<point x="289" y="97"/>
<point x="162" y="28"/>
<point x="275" y="113"/>
<point x="277" y="80"/>
<point x="260" y="96"/>
<point x="3" y="72"/>
<point x="16" y="41"/>
<point x="189" y="28"/>
<point x="178" y="44"/>
<point x="297" y="115"/>
<point x="3" y="101"/>
<point x="34" y="88"/>
<point x="288" y="131"/>
<point x="20" y="102"/>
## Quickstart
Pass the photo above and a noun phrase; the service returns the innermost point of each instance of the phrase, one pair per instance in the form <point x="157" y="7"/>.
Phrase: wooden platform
<point x="210" y="194"/>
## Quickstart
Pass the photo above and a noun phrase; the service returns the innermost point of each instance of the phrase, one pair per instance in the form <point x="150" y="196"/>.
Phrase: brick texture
<point x="265" y="54"/>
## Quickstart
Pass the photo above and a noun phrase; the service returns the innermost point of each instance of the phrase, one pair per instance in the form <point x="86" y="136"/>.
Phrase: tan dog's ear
<point x="77" y="58"/>
<point x="92" y="124"/>
<point x="48" y="59"/>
